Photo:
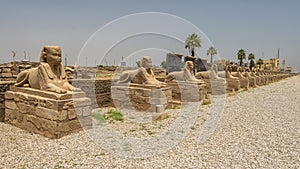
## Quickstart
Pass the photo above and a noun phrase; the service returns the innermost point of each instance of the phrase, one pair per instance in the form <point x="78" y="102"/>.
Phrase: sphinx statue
<point x="185" y="87"/>
<point x="142" y="75"/>
<point x="185" y="75"/>
<point x="257" y="78"/>
<point x="50" y="75"/>
<point x="243" y="80"/>
<point x="215" y="84"/>
<point x="233" y="83"/>
<point x="263" y="78"/>
<point x="252" y="79"/>
<point x="210" y="74"/>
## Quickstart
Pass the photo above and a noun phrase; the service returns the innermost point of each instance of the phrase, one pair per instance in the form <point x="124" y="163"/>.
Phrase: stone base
<point x="252" y="82"/>
<point x="46" y="113"/>
<point x="233" y="85"/>
<point x="4" y="86"/>
<point x="244" y="83"/>
<point x="141" y="97"/>
<point x="216" y="86"/>
<point x="188" y="91"/>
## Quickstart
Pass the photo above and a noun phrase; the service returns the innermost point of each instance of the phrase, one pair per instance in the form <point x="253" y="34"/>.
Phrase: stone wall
<point x="4" y="86"/>
<point x="9" y="71"/>
<point x="188" y="91"/>
<point x="46" y="113"/>
<point x="174" y="62"/>
<point x="97" y="90"/>
<point x="141" y="97"/>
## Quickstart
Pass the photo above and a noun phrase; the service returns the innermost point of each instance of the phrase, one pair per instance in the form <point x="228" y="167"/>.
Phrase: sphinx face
<point x="53" y="56"/>
<point x="146" y="62"/>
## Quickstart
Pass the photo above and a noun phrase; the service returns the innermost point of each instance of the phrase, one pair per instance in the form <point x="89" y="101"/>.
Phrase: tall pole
<point x="66" y="61"/>
<point x="24" y="55"/>
<point x="14" y="56"/>
<point x="86" y="61"/>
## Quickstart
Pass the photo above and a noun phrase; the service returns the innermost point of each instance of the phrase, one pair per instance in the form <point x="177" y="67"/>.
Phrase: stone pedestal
<point x="233" y="85"/>
<point x="244" y="83"/>
<point x="216" y="86"/>
<point x="252" y="81"/>
<point x="141" y="97"/>
<point x="46" y="113"/>
<point x="188" y="91"/>
<point x="4" y="86"/>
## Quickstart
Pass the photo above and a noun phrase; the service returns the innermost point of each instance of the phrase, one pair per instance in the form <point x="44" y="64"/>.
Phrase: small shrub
<point x="98" y="117"/>
<point x="206" y="102"/>
<point x="174" y="106"/>
<point x="114" y="115"/>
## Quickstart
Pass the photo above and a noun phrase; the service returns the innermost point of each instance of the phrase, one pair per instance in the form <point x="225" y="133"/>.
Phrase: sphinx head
<point x="146" y="62"/>
<point x="51" y="55"/>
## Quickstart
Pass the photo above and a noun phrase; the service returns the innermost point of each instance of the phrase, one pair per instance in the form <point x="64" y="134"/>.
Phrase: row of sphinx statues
<point x="51" y="76"/>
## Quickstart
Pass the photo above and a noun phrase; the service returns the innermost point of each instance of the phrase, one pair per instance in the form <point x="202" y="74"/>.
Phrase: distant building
<point x="199" y="63"/>
<point x="290" y="69"/>
<point x="123" y="64"/>
<point x="271" y="64"/>
<point x="173" y="62"/>
<point x="220" y="64"/>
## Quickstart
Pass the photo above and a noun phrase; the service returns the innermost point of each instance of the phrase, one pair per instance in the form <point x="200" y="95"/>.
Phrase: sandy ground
<point x="259" y="128"/>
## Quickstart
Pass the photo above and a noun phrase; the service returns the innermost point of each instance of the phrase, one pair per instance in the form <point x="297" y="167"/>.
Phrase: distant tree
<point x="192" y="42"/>
<point x="259" y="62"/>
<point x="241" y="56"/>
<point x="138" y="63"/>
<point x="163" y="64"/>
<point x="211" y="51"/>
<point x="251" y="57"/>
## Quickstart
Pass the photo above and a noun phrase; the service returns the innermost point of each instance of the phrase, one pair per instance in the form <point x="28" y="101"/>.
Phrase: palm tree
<point x="192" y="42"/>
<point x="241" y="56"/>
<point x="211" y="51"/>
<point x="251" y="57"/>
<point x="259" y="62"/>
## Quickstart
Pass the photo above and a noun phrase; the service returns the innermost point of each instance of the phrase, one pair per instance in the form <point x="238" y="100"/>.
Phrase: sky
<point x="90" y="32"/>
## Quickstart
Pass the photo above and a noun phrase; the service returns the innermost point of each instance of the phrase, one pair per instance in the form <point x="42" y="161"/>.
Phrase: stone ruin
<point x="215" y="85"/>
<point x="241" y="79"/>
<point x="44" y="102"/>
<point x="138" y="89"/>
<point x="185" y="87"/>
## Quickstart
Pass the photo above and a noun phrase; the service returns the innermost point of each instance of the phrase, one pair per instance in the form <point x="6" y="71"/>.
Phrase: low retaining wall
<point x="4" y="86"/>
<point x="97" y="90"/>
<point x="46" y="113"/>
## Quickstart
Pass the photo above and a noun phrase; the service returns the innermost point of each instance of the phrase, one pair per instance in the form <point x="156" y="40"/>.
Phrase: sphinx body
<point x="252" y="80"/>
<point x="142" y="75"/>
<point x="185" y="75"/>
<point x="50" y="75"/>
<point x="243" y="80"/>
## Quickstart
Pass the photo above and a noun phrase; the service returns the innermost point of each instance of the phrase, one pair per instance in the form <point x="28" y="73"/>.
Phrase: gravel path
<point x="260" y="128"/>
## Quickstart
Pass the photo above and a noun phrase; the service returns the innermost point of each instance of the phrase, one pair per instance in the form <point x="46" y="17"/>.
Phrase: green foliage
<point x="113" y="115"/>
<point x="192" y="42"/>
<point x="163" y="64"/>
<point x="259" y="62"/>
<point x="251" y="57"/>
<point x="98" y="117"/>
<point x="211" y="51"/>
<point x="241" y="56"/>
<point x="206" y="102"/>
<point x="174" y="106"/>
<point x="252" y="64"/>
<point x="138" y="63"/>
